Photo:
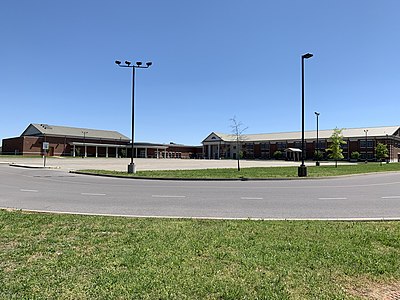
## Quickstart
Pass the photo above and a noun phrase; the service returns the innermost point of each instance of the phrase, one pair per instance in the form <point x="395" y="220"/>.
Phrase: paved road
<point x="369" y="196"/>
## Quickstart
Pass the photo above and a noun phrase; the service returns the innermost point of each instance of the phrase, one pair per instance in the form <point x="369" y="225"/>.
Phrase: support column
<point x="218" y="151"/>
<point x="106" y="151"/>
<point x="116" y="152"/>
<point x="209" y="152"/>
<point x="85" y="151"/>
<point x="97" y="152"/>
<point x="74" y="153"/>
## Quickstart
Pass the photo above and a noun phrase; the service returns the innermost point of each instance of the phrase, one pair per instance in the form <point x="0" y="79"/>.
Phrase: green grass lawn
<point x="44" y="256"/>
<point x="265" y="172"/>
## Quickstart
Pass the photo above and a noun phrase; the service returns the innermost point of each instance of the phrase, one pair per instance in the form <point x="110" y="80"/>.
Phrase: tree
<point x="277" y="154"/>
<point x="318" y="155"/>
<point x="237" y="133"/>
<point x="335" y="148"/>
<point x="381" y="151"/>
<point x="355" y="155"/>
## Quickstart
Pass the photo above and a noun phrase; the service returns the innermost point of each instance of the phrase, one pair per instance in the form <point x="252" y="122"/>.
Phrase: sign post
<point x="45" y="147"/>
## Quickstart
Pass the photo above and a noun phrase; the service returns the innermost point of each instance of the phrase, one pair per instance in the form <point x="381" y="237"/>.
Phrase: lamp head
<point x="307" y="55"/>
<point x="149" y="63"/>
<point x="127" y="62"/>
<point x="118" y="62"/>
<point x="139" y="63"/>
<point x="317" y="113"/>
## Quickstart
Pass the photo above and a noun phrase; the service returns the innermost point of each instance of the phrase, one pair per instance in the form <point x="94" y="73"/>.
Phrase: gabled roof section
<point x="53" y="130"/>
<point x="296" y="135"/>
<point x="214" y="137"/>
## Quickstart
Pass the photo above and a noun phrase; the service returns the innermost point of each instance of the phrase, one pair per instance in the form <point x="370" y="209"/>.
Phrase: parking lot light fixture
<point x="138" y="65"/>
<point x="302" y="170"/>
<point x="317" y="147"/>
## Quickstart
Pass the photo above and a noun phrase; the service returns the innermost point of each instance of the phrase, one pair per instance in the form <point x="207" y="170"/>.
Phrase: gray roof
<point x="296" y="135"/>
<point x="52" y="130"/>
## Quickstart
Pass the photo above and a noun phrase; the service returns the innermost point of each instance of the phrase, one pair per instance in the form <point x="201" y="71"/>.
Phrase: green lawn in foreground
<point x="267" y="172"/>
<point x="45" y="256"/>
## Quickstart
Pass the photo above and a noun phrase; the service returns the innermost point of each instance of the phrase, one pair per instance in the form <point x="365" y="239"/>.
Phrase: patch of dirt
<point x="376" y="291"/>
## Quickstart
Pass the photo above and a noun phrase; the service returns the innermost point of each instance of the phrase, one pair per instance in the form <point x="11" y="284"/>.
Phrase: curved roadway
<point x="375" y="196"/>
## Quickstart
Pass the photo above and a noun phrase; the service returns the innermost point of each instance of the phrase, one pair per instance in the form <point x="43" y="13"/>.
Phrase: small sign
<point x="46" y="145"/>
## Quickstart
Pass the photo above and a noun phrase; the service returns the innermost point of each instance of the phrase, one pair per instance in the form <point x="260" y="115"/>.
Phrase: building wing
<point x="64" y="131"/>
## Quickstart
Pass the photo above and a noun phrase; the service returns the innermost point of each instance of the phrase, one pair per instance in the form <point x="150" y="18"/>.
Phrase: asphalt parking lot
<point x="120" y="164"/>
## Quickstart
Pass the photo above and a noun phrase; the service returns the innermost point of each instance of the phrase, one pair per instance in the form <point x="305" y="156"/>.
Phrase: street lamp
<point x="302" y="170"/>
<point x="388" y="147"/>
<point x="366" y="140"/>
<point x="139" y="65"/>
<point x="84" y="143"/>
<point x="317" y="148"/>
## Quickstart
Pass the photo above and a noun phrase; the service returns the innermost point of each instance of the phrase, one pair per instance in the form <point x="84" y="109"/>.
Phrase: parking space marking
<point x="92" y="194"/>
<point x="167" y="196"/>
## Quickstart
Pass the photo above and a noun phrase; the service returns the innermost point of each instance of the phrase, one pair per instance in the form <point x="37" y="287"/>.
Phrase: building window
<point x="321" y="145"/>
<point x="265" y="147"/>
<point x="370" y="144"/>
<point x="281" y="145"/>
<point x="297" y="144"/>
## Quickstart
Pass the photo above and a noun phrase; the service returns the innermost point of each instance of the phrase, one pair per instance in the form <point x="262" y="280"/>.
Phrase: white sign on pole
<point x="46" y="145"/>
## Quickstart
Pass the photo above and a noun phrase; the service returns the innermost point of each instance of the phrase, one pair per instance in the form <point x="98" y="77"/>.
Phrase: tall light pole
<point x="302" y="170"/>
<point x="139" y="65"/>
<point x="84" y="143"/>
<point x="317" y="148"/>
<point x="366" y="142"/>
<point x="388" y="147"/>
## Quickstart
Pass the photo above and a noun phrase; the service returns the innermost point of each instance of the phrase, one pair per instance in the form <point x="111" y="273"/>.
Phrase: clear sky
<point x="212" y="60"/>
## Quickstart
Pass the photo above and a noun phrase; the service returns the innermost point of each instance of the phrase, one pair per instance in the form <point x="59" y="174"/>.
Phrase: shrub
<point x="355" y="155"/>
<point x="278" y="154"/>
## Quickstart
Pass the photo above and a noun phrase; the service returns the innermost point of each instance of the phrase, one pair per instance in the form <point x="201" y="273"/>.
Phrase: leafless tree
<point x="237" y="133"/>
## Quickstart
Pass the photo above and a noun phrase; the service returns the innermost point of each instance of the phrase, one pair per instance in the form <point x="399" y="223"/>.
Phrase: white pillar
<point x="145" y="152"/>
<point x="218" y="152"/>
<point x="97" y="152"/>
<point x="209" y="152"/>
<point x="85" y="151"/>
<point x="116" y="152"/>
<point x="74" y="151"/>
<point x="106" y="151"/>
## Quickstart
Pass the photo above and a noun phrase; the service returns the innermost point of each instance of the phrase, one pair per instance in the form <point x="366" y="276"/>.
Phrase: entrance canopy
<point x="293" y="150"/>
<point x="293" y="153"/>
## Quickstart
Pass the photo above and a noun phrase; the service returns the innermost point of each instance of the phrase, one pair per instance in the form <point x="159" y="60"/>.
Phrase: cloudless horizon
<point x="212" y="60"/>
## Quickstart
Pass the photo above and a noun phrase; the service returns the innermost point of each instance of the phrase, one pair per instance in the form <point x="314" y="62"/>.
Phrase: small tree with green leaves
<point x="355" y="155"/>
<point x="335" y="149"/>
<point x="318" y="155"/>
<point x="381" y="152"/>
<point x="277" y="154"/>
<point x="237" y="133"/>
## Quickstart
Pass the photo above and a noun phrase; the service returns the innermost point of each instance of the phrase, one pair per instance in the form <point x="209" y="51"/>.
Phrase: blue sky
<point x="212" y="60"/>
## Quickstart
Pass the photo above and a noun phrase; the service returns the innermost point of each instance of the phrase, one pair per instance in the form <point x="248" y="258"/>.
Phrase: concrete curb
<point x="392" y="219"/>
<point x="32" y="166"/>
<point x="225" y="179"/>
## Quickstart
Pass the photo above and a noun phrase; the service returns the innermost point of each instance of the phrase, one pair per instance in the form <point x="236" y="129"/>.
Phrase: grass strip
<point x="44" y="256"/>
<point x="264" y="172"/>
